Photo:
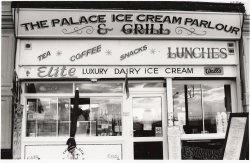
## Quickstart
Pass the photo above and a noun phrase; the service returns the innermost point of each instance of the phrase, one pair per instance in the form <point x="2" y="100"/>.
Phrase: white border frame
<point x="233" y="100"/>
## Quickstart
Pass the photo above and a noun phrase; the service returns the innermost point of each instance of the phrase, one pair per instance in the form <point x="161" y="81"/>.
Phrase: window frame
<point x="60" y="139"/>
<point x="234" y="99"/>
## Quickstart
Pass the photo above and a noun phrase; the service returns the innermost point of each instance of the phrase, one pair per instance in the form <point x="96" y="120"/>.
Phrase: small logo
<point x="213" y="70"/>
<point x="27" y="73"/>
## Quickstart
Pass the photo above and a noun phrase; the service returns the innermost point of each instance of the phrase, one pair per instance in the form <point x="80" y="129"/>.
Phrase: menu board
<point x="237" y="137"/>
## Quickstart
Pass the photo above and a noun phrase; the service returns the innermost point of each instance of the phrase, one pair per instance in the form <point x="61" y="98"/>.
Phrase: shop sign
<point x="30" y="72"/>
<point x="126" y="52"/>
<point x="213" y="70"/>
<point x="82" y="152"/>
<point x="130" y="24"/>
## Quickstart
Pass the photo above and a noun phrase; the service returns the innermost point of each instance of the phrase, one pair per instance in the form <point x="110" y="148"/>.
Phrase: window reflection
<point x="63" y="117"/>
<point x="48" y="87"/>
<point x="100" y="117"/>
<point x="41" y="117"/>
<point x="201" y="108"/>
<point x="99" y="87"/>
<point x="106" y="112"/>
<point x="147" y="85"/>
<point x="31" y="117"/>
<point x="147" y="119"/>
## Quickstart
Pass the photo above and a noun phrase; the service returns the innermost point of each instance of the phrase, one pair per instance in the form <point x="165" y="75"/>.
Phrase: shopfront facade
<point x="152" y="84"/>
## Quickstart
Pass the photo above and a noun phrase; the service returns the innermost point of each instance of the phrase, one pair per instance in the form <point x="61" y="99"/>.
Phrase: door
<point x="147" y="127"/>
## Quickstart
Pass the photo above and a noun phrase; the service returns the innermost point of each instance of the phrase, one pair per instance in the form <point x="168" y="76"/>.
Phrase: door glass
<point x="147" y="113"/>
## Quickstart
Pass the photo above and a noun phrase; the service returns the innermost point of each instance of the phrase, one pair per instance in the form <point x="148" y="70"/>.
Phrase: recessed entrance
<point x="147" y="126"/>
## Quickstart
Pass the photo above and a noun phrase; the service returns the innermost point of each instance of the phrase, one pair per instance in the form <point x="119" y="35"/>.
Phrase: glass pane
<point x="41" y="117"/>
<point x="202" y="108"/>
<point x="148" y="150"/>
<point x="31" y="128"/>
<point x="194" y="108"/>
<point x="63" y="117"/>
<point x="83" y="128"/>
<point x="63" y="109"/>
<point x="147" y="85"/>
<point x="202" y="150"/>
<point x="47" y="117"/>
<point x="46" y="128"/>
<point x="48" y="87"/>
<point x="83" y="125"/>
<point x="215" y="111"/>
<point x="106" y="116"/>
<point x="63" y="128"/>
<point x="31" y="117"/>
<point x="147" y="114"/>
<point x="99" y="87"/>
<point x="100" y="117"/>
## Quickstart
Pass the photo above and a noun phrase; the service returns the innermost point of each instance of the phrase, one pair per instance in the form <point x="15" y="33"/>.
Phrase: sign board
<point x="126" y="52"/>
<point x="82" y="152"/>
<point x="237" y="137"/>
<point x="213" y="70"/>
<point x="45" y="72"/>
<point x="127" y="24"/>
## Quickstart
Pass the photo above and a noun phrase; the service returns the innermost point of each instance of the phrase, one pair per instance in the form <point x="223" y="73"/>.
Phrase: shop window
<point x="202" y="108"/>
<point x="99" y="87"/>
<point x="51" y="117"/>
<point x="48" y="87"/>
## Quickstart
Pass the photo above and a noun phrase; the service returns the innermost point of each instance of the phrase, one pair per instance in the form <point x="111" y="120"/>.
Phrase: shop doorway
<point x="147" y="135"/>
